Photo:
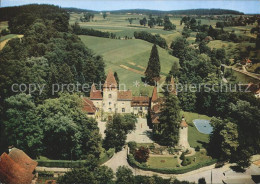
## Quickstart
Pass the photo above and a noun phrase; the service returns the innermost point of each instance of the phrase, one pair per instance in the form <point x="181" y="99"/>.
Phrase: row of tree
<point x="124" y="175"/>
<point x="155" y="39"/>
<point x="91" y="32"/>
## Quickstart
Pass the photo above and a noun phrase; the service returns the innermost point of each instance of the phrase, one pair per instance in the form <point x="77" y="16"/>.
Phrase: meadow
<point x="129" y="59"/>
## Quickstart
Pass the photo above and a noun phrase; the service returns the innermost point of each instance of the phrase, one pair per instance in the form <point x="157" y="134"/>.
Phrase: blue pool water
<point x="203" y="126"/>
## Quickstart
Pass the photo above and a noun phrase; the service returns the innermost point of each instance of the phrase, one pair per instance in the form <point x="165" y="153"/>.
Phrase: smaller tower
<point x="183" y="135"/>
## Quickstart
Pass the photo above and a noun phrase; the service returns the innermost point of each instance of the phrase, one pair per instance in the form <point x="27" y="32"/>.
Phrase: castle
<point x="112" y="100"/>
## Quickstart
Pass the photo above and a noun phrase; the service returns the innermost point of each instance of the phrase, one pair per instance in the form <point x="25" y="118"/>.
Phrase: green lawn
<point x="162" y="162"/>
<point x="133" y="54"/>
<point x="195" y="138"/>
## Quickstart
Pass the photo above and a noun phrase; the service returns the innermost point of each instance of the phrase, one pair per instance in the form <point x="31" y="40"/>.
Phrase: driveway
<point x="142" y="132"/>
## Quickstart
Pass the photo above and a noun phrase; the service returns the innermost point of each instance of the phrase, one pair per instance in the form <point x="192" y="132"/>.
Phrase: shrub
<point x="185" y="162"/>
<point x="182" y="156"/>
<point x="132" y="146"/>
<point x="197" y="148"/>
<point x="142" y="154"/>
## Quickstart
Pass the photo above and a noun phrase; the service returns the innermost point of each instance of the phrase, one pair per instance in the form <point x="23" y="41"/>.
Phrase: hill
<point x="159" y="12"/>
<point x="128" y="58"/>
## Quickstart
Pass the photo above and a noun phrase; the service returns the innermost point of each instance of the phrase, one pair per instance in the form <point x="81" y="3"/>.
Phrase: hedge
<point x="73" y="164"/>
<point x="180" y="170"/>
<point x="61" y="163"/>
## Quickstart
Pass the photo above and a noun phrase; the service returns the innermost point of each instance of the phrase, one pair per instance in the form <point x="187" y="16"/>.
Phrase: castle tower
<point x="110" y="93"/>
<point x="183" y="135"/>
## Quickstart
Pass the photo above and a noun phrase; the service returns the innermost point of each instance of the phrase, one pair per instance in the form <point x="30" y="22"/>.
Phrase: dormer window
<point x="109" y="96"/>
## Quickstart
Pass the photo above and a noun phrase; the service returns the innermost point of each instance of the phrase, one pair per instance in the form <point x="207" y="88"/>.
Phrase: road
<point x="218" y="174"/>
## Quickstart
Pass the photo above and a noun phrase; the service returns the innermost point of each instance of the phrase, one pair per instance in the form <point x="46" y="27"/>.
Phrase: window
<point x="109" y="103"/>
<point x="109" y="96"/>
<point x="146" y="108"/>
<point x="141" y="108"/>
<point x="110" y="110"/>
<point x="123" y="109"/>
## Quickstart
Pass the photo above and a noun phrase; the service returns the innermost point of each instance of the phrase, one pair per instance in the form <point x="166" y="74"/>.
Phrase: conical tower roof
<point x="110" y="80"/>
<point x="154" y="95"/>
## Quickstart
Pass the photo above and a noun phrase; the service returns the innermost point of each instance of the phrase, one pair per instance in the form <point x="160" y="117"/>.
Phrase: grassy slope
<point x="124" y="52"/>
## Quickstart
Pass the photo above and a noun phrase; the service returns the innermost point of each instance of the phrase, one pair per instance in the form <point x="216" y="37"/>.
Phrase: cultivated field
<point x="129" y="59"/>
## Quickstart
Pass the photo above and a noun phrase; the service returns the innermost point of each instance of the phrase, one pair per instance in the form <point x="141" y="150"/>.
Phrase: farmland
<point x="128" y="58"/>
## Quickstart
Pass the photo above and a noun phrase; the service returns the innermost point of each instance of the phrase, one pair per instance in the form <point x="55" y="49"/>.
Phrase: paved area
<point x="142" y="132"/>
<point x="102" y="127"/>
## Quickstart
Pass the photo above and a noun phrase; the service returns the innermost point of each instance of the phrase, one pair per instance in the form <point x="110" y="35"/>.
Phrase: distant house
<point x="16" y="167"/>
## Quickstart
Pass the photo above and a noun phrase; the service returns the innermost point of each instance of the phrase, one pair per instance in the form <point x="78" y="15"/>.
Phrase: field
<point x="162" y="162"/>
<point x="129" y="59"/>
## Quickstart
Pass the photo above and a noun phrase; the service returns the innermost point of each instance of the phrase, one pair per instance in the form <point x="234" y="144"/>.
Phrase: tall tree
<point x="152" y="72"/>
<point x="169" y="120"/>
<point x="117" y="78"/>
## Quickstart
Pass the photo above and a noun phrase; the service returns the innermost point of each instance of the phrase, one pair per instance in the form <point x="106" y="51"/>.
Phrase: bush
<point x="142" y="154"/>
<point x="182" y="156"/>
<point x="185" y="162"/>
<point x="197" y="148"/>
<point x="132" y="146"/>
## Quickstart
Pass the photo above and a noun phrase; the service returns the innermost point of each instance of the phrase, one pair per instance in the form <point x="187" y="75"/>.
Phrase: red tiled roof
<point x="16" y="168"/>
<point x="183" y="123"/>
<point x="22" y="159"/>
<point x="110" y="81"/>
<point x="95" y="94"/>
<point x="124" y="95"/>
<point x="140" y="101"/>
<point x="154" y="95"/>
<point x="88" y="106"/>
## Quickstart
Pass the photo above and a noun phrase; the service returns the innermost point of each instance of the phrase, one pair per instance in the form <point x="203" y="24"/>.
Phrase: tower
<point x="110" y="93"/>
<point x="183" y="135"/>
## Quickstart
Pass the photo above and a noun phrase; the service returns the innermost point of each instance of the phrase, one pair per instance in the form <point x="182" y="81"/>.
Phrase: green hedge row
<point x="181" y="170"/>
<point x="61" y="163"/>
<point x="73" y="164"/>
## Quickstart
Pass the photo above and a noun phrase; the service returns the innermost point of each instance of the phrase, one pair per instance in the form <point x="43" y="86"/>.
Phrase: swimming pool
<point x="203" y="126"/>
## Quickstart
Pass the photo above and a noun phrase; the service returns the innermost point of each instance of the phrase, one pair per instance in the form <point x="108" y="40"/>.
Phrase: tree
<point x="152" y="72"/>
<point x="174" y="69"/>
<point x="142" y="154"/>
<point x="116" y="131"/>
<point x="104" y="15"/>
<point x="130" y="20"/>
<point x="117" y="78"/>
<point x="100" y="175"/>
<point x="169" y="120"/>
<point x="124" y="175"/>
<point x="168" y="25"/>
<point x="202" y="181"/>
<point x="22" y="127"/>
<point x="179" y="47"/>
